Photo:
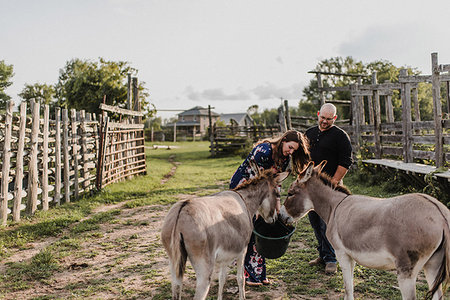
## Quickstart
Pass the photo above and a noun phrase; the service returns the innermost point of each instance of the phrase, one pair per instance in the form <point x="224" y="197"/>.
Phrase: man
<point x="331" y="143"/>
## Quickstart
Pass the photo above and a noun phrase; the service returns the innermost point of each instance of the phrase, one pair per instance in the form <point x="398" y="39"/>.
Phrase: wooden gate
<point x="122" y="150"/>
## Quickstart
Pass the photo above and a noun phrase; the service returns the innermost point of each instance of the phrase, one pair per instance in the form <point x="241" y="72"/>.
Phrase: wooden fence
<point x="227" y="139"/>
<point x="122" y="154"/>
<point x="45" y="160"/>
<point x="417" y="147"/>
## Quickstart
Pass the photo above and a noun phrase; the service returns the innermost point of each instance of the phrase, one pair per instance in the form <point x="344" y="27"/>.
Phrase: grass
<point x="76" y="223"/>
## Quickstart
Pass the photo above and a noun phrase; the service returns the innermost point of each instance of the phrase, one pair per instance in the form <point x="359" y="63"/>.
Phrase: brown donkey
<point x="405" y="233"/>
<point x="215" y="230"/>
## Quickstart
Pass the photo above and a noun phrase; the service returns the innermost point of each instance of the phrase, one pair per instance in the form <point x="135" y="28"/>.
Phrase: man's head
<point x="327" y="116"/>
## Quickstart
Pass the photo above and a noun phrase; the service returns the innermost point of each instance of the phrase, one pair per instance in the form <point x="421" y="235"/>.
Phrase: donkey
<point x="405" y="233"/>
<point x="215" y="230"/>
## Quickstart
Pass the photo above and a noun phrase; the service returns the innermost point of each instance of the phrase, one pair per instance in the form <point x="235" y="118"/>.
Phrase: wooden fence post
<point x="406" y="119"/>
<point x="32" y="166"/>
<point x="437" y="111"/>
<point x="389" y="109"/>
<point x="320" y="86"/>
<point x="356" y="115"/>
<point x="281" y="119"/>
<point x="65" y="123"/>
<point x="377" y="117"/>
<point x="288" y="115"/>
<point x="74" y="146"/>
<point x="44" y="180"/>
<point x="84" y="151"/>
<point x="6" y="161"/>
<point x="18" y="185"/>
<point x="57" y="194"/>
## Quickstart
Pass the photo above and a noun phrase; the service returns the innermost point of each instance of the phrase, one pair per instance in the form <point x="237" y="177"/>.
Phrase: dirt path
<point x="124" y="259"/>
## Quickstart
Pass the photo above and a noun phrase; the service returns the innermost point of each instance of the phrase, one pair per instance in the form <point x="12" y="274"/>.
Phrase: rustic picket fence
<point x="45" y="160"/>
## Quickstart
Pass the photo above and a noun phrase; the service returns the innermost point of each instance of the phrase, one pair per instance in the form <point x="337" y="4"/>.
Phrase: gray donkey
<point x="405" y="233"/>
<point x="215" y="230"/>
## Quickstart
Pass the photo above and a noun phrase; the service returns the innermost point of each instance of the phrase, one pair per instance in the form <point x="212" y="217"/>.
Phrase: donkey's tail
<point x="443" y="276"/>
<point x="178" y="253"/>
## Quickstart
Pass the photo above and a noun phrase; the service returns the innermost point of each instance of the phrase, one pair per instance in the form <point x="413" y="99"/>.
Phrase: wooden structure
<point x="45" y="160"/>
<point x="404" y="144"/>
<point x="227" y="139"/>
<point x="122" y="150"/>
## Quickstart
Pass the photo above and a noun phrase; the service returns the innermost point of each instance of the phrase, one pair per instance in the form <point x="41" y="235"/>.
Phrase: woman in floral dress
<point x="275" y="154"/>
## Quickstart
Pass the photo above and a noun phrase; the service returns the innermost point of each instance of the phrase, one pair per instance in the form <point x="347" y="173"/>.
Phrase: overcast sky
<point x="225" y="53"/>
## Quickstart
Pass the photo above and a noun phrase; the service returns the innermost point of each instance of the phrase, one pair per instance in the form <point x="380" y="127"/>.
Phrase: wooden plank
<point x="44" y="179"/>
<point x="390" y="150"/>
<point x="406" y="119"/>
<point x="75" y="147"/>
<point x="19" y="163"/>
<point x="84" y="151"/>
<point x="65" y="124"/>
<point x="335" y="89"/>
<point x="32" y="165"/>
<point x="444" y="68"/>
<point x="121" y="111"/>
<point x="343" y="102"/>
<point x="437" y="111"/>
<point x="6" y="161"/>
<point x="386" y="87"/>
<point x="408" y="167"/>
<point x="57" y="195"/>
<point x="130" y="127"/>
<point x="339" y="74"/>
<point x="377" y="117"/>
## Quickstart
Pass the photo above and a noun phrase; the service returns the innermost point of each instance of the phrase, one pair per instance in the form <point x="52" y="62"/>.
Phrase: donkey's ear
<point x="306" y="173"/>
<point x="282" y="176"/>
<point x="320" y="166"/>
<point x="254" y="167"/>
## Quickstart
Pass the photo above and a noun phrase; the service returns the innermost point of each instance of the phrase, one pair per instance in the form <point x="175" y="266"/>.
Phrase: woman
<point x="274" y="153"/>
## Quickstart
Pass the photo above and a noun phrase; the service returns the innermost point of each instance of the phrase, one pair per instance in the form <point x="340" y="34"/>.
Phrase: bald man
<point x="331" y="143"/>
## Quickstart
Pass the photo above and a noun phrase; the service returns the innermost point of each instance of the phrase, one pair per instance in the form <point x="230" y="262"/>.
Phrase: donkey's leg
<point x="407" y="285"/>
<point x="203" y="267"/>
<point x="347" y="265"/>
<point x="431" y="270"/>
<point x="177" y="281"/>
<point x="223" y="271"/>
<point x="240" y="274"/>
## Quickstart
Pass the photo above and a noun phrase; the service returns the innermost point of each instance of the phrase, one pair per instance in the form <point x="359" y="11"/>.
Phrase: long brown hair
<point x="300" y="157"/>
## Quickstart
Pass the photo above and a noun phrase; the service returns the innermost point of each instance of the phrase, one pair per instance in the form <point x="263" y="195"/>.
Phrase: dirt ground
<point x="123" y="260"/>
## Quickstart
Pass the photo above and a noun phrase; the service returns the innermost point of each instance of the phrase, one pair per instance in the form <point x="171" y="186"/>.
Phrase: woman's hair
<point x="300" y="157"/>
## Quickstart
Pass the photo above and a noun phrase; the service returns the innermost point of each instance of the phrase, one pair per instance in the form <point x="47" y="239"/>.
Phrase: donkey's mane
<point x="326" y="179"/>
<point x="266" y="174"/>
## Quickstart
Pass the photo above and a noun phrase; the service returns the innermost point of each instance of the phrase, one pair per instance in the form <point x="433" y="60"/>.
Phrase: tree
<point x="6" y="73"/>
<point x="42" y="93"/>
<point x="82" y="84"/>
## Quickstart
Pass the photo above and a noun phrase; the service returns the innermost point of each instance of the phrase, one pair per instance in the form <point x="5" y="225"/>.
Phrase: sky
<point x="230" y="54"/>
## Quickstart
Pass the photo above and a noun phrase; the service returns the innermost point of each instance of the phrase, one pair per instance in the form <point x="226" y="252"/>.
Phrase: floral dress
<point x="255" y="263"/>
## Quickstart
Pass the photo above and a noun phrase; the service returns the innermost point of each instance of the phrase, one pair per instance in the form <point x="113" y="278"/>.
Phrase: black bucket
<point x="272" y="240"/>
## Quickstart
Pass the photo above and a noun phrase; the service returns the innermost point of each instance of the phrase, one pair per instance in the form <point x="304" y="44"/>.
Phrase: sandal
<point x="266" y="282"/>
<point x="251" y="283"/>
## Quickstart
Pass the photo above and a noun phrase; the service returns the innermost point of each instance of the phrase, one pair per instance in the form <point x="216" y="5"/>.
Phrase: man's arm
<point x="338" y="175"/>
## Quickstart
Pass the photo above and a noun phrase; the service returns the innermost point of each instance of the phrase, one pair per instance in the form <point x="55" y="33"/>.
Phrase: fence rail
<point x="45" y="160"/>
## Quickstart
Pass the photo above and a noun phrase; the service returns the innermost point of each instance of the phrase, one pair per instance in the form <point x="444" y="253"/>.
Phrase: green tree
<point x="6" y="73"/>
<point x="42" y="93"/>
<point x="82" y="84"/>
